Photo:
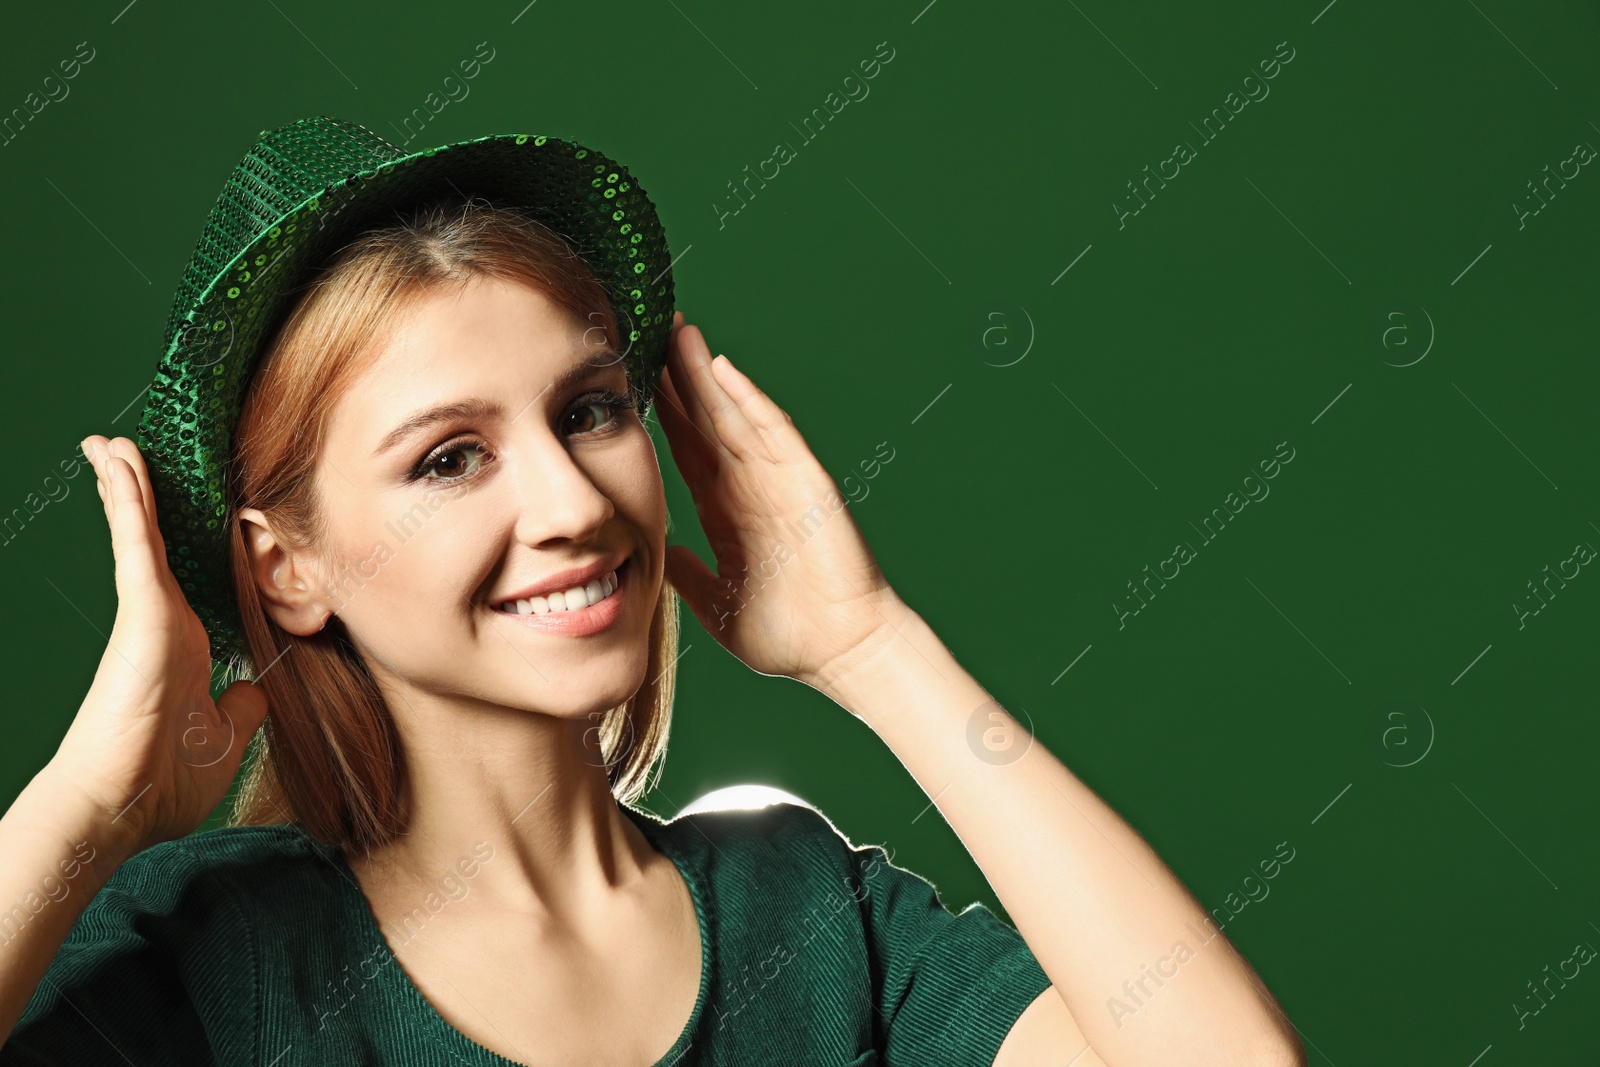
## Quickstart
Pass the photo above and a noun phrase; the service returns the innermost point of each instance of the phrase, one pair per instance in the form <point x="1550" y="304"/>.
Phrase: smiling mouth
<point x="575" y="598"/>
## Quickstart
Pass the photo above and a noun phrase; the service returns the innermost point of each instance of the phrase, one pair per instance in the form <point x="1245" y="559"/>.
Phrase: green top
<point x="255" y="946"/>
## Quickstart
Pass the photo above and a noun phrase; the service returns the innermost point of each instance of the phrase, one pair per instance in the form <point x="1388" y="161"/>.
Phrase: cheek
<point x="636" y="491"/>
<point x="361" y="569"/>
<point x="396" y="560"/>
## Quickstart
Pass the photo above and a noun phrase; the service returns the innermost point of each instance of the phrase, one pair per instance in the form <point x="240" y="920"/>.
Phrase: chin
<point x="584" y="689"/>
<point x="591" y="711"/>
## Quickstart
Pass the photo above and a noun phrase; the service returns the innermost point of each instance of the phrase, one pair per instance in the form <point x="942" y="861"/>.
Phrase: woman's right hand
<point x="149" y="747"/>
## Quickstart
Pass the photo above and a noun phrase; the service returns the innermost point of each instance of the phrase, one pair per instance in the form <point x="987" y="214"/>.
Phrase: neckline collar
<point x="397" y="987"/>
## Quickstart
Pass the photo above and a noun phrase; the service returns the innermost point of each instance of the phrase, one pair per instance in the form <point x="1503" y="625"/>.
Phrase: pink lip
<point x="584" y="621"/>
<point x="561" y="582"/>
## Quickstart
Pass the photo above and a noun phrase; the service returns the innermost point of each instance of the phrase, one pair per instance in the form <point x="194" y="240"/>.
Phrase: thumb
<point x="704" y="592"/>
<point x="245" y="705"/>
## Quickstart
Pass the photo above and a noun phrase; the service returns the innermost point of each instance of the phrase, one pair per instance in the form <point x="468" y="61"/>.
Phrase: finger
<point x="699" y="587"/>
<point x="128" y="451"/>
<point x="244" y="703"/>
<point x="704" y="397"/>
<point x="100" y="487"/>
<point x="695" y="454"/>
<point x="672" y="337"/>
<point x="774" y="425"/>
<point x="704" y="453"/>
<point x="686" y="403"/>
<point x="95" y="457"/>
<point x="694" y="359"/>
<point x="93" y="450"/>
<point x="124" y="449"/>
<point x="138" y="573"/>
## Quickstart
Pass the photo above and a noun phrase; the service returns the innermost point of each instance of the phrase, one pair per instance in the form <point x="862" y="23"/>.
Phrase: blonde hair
<point x="328" y="755"/>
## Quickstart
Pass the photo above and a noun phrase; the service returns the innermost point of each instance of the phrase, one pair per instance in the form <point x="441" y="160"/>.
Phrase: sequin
<point x="295" y="197"/>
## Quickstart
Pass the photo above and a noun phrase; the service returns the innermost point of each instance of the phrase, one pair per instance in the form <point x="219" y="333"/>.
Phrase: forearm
<point x="1093" y="901"/>
<point x="56" y="852"/>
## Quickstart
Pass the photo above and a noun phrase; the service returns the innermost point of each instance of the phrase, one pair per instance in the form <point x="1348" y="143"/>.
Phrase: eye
<point x="613" y="405"/>
<point x="451" y="462"/>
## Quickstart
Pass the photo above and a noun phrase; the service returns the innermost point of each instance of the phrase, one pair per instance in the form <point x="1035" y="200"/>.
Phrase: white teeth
<point x="579" y="596"/>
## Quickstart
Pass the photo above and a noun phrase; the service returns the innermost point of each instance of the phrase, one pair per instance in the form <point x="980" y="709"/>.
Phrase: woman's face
<point x="437" y="518"/>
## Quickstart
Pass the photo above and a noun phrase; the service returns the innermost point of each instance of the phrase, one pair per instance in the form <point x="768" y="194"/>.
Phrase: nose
<point x="557" y="498"/>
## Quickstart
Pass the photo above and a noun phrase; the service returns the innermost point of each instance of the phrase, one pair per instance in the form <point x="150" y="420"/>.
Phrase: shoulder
<point x="234" y="852"/>
<point x="204" y="879"/>
<point x="781" y="820"/>
<point x="785" y="852"/>
<point x="173" y="938"/>
<point x="789" y="828"/>
<point x="210" y="902"/>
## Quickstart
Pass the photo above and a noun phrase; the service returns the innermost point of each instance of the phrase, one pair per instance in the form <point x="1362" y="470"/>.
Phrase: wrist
<point x="79" y="815"/>
<point x="851" y="679"/>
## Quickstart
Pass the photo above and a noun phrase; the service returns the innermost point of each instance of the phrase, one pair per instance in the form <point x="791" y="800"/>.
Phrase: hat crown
<point x="284" y="168"/>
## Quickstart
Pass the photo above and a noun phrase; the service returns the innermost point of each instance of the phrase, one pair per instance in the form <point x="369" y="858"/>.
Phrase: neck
<point x="520" y="799"/>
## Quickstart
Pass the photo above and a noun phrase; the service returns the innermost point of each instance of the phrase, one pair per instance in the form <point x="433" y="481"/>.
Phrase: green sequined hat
<point x="299" y="194"/>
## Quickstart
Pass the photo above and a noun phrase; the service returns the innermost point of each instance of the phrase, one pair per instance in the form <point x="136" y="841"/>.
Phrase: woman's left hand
<point x="796" y="591"/>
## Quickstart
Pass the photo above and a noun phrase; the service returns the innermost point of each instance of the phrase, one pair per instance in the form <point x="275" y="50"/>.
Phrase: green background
<point x="1342" y="669"/>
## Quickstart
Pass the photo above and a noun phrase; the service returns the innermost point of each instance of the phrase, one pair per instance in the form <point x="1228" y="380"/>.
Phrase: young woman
<point x="445" y="528"/>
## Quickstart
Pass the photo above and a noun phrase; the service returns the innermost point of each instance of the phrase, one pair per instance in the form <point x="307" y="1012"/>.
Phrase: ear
<point x="286" y="581"/>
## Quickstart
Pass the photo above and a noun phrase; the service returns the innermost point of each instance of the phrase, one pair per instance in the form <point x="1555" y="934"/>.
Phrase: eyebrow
<point x="479" y="408"/>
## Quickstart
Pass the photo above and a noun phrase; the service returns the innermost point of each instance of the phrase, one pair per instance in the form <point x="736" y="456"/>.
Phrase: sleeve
<point x="949" y="986"/>
<point x="149" y="975"/>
